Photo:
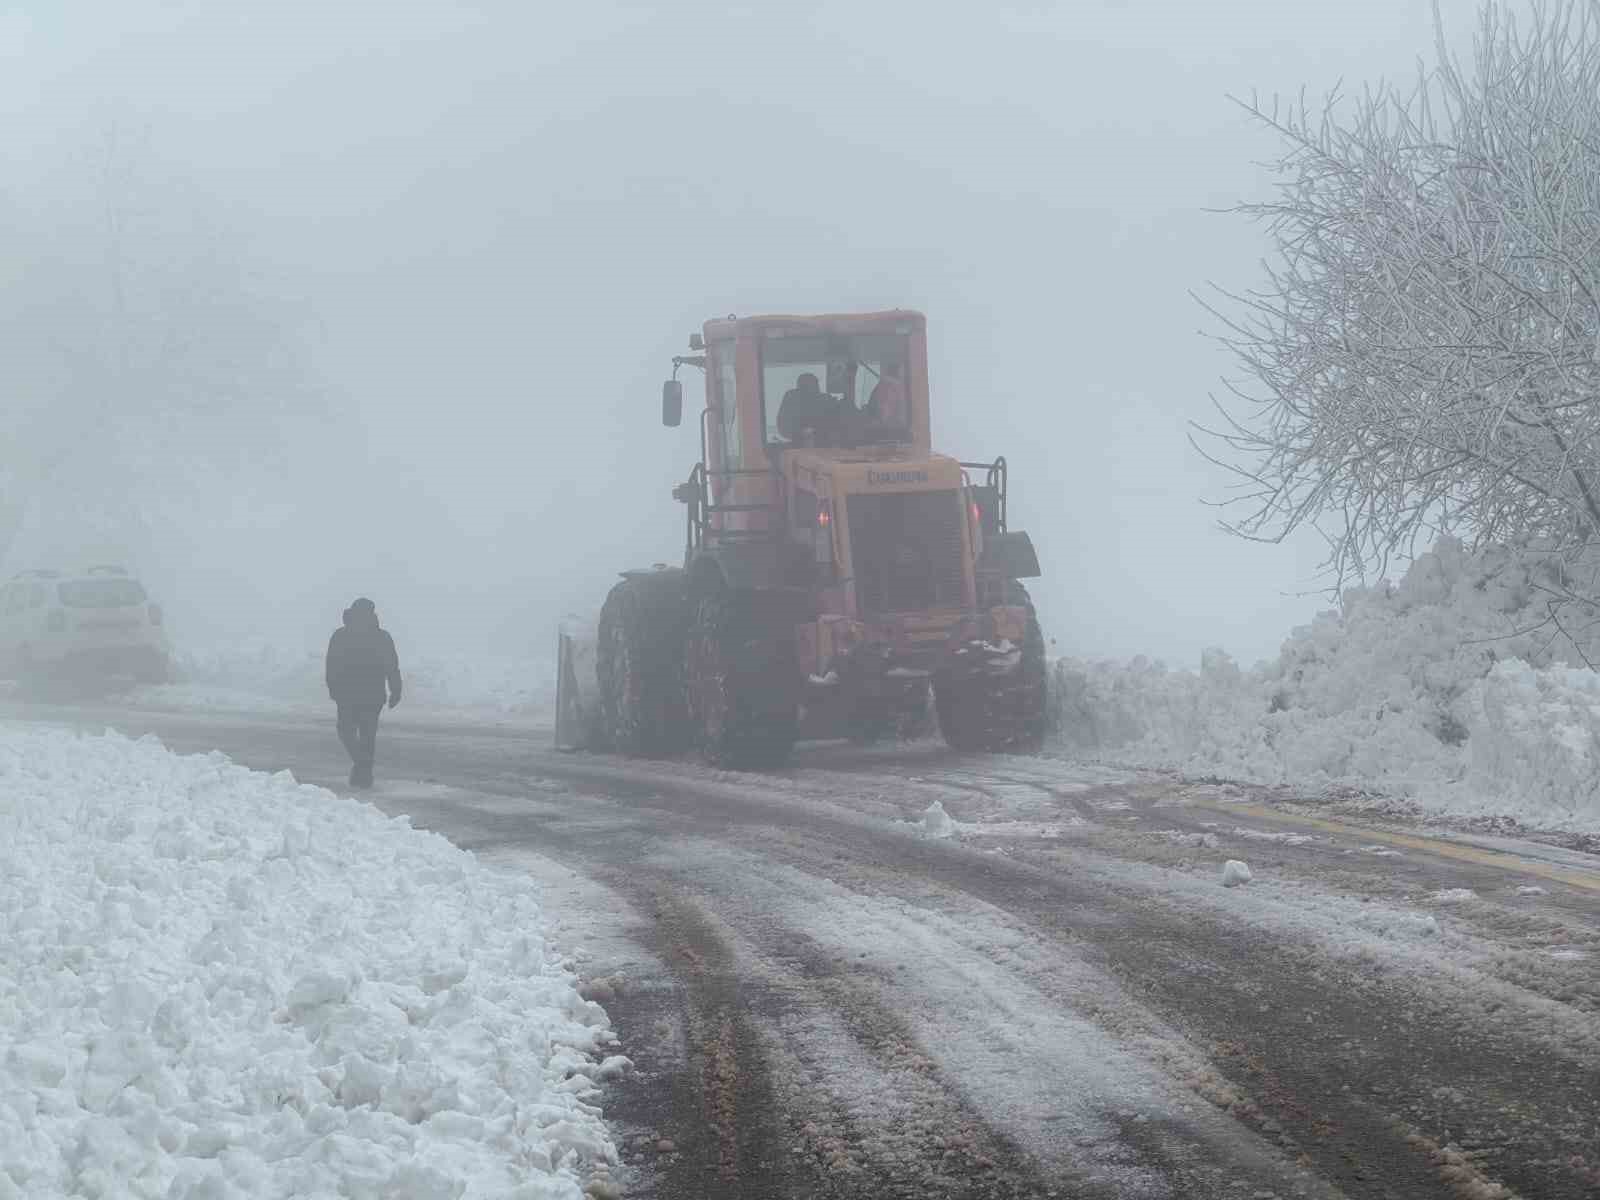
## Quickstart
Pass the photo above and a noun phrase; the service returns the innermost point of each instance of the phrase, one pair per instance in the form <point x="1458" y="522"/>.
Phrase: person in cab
<point x="807" y="409"/>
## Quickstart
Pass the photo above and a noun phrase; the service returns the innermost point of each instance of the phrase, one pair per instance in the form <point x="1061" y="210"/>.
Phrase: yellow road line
<point x="1439" y="846"/>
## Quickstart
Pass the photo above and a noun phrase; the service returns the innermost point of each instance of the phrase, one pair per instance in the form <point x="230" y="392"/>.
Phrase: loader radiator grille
<point x="906" y="551"/>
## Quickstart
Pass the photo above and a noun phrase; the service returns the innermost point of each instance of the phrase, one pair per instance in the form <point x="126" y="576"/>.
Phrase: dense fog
<point x="302" y="301"/>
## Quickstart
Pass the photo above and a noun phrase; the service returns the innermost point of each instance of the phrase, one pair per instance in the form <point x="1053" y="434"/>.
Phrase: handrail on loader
<point x="695" y="492"/>
<point x="991" y="493"/>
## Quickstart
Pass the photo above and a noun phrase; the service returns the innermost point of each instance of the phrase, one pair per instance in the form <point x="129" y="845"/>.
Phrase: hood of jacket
<point x="362" y="614"/>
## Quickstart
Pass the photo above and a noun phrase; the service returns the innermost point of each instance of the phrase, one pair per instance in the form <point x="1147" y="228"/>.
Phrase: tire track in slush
<point x="791" y="986"/>
<point x="756" y="994"/>
<point x="1115" y="1105"/>
<point x="1201" y="975"/>
<point x="757" y="1133"/>
<point x="730" y="1147"/>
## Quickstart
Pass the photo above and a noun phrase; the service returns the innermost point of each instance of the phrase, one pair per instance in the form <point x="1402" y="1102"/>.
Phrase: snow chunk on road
<point x="1234" y="873"/>
<point x="1530" y="889"/>
<point x="1453" y="896"/>
<point x="216" y="982"/>
<point x="936" y="822"/>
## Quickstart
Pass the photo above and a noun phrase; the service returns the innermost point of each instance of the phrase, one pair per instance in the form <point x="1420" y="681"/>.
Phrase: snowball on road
<point x="936" y="822"/>
<point x="216" y="982"/>
<point x="1235" y="872"/>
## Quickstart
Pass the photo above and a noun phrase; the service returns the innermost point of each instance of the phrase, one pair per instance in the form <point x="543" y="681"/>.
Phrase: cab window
<point x="842" y="390"/>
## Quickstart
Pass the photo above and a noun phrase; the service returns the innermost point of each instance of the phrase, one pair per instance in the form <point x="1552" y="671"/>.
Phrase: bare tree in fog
<point x="147" y="363"/>
<point x="1423" y="355"/>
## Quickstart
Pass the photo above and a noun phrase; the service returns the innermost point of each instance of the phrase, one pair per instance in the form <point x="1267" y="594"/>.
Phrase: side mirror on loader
<point x="672" y="403"/>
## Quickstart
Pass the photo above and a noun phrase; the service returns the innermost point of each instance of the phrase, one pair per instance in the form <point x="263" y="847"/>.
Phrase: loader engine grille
<point x="906" y="551"/>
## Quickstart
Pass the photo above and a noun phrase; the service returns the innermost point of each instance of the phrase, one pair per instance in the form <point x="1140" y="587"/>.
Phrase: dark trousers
<point x="358" y="730"/>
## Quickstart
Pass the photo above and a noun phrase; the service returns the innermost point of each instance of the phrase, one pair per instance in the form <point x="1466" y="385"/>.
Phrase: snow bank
<point x="247" y="676"/>
<point x="215" y="982"/>
<point x="1451" y="687"/>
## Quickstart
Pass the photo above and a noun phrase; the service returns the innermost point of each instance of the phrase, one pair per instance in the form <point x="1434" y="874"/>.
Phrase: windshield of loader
<point x="835" y="390"/>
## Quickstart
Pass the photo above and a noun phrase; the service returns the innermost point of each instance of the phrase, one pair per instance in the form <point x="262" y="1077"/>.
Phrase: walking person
<point x="362" y="667"/>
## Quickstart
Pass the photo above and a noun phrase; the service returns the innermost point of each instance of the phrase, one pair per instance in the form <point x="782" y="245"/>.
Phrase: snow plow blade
<point x="578" y="723"/>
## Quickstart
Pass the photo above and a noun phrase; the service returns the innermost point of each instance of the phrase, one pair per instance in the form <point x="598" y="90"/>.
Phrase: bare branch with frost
<point x="1424" y="354"/>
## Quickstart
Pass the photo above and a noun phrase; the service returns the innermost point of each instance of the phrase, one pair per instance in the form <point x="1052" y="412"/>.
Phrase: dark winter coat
<point x="362" y="662"/>
<point x="806" y="407"/>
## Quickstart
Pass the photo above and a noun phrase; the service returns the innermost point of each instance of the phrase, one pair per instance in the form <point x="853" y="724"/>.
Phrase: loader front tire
<point x="981" y="712"/>
<point x="743" y="681"/>
<point x="639" y="662"/>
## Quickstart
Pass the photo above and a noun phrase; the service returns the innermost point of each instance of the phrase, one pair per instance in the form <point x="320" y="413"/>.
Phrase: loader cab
<point x="861" y="382"/>
<point x="870" y="390"/>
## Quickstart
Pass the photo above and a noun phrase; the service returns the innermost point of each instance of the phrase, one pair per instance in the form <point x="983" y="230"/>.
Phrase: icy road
<point x="900" y="972"/>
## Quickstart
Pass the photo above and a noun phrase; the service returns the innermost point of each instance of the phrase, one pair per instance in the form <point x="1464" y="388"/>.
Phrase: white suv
<point x="98" y="621"/>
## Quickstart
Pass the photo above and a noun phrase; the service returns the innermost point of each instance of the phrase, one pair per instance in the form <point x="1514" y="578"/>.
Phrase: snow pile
<point x="1235" y="872"/>
<point x="1538" y="732"/>
<point x="1452" y="686"/>
<point x="215" y="983"/>
<point x="936" y="822"/>
<point x="246" y="675"/>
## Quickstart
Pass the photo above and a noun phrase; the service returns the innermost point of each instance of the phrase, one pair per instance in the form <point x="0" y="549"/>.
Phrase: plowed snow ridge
<point x="216" y="982"/>
<point x="1452" y="688"/>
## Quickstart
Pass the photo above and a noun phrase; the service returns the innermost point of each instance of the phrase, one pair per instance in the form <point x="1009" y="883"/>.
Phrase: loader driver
<point x="887" y="404"/>
<point x="807" y="408"/>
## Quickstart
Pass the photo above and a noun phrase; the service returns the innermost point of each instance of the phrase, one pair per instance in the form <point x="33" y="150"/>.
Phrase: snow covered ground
<point x="1452" y="687"/>
<point x="216" y="982"/>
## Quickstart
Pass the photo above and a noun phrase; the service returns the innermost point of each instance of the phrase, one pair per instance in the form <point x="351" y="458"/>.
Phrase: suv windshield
<point x="100" y="593"/>
<point x="835" y="390"/>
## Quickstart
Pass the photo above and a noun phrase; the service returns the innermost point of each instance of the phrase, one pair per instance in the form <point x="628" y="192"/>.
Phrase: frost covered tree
<point x="1424" y="354"/>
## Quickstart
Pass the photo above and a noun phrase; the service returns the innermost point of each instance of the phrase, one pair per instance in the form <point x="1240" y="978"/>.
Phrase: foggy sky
<point x="496" y="222"/>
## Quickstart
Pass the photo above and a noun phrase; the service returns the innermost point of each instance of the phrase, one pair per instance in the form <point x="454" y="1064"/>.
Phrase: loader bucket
<point x="578" y="723"/>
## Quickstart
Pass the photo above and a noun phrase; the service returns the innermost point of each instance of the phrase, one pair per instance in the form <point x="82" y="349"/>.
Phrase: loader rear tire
<point x="979" y="712"/>
<point x="639" y="662"/>
<point x="743" y="681"/>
